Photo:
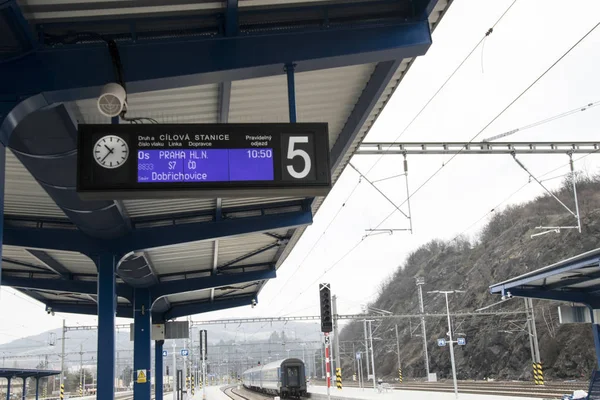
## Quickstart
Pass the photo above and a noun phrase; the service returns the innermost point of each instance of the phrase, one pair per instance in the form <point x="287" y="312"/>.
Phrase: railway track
<point x="242" y="394"/>
<point x="523" y="389"/>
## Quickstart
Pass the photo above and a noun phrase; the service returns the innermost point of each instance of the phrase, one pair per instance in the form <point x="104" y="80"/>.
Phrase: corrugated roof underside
<point x="59" y="10"/>
<point x="23" y="195"/>
<point x="321" y="96"/>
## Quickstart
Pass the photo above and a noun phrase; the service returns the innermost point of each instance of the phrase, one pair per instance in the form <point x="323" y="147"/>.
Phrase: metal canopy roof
<point x="576" y="279"/>
<point x="195" y="255"/>
<point x="26" y="373"/>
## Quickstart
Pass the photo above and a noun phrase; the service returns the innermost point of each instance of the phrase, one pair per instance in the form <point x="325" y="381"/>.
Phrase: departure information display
<point x="203" y="160"/>
<point x="218" y="165"/>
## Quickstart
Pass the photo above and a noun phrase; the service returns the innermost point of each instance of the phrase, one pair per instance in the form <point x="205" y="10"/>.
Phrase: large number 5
<point x="292" y="152"/>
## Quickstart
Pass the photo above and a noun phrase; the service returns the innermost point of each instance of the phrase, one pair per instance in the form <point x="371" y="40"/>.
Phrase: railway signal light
<point x="326" y="317"/>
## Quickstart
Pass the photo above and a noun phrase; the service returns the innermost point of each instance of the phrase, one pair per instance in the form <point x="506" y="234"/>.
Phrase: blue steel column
<point x="37" y="388"/>
<point x="141" y="342"/>
<point x="158" y="369"/>
<point x="289" y="69"/>
<point x="2" y="179"/>
<point x="106" y="327"/>
<point x="596" y="332"/>
<point x="24" y="387"/>
<point x="8" y="389"/>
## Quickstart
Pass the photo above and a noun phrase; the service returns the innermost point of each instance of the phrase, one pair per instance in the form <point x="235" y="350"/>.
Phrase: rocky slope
<point x="502" y="250"/>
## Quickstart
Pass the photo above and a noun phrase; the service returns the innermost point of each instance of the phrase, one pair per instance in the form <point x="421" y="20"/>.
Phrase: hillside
<point x="503" y="249"/>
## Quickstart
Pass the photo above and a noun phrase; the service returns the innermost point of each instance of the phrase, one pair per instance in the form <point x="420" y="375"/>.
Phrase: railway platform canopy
<point x="574" y="280"/>
<point x="10" y="374"/>
<point x="180" y="62"/>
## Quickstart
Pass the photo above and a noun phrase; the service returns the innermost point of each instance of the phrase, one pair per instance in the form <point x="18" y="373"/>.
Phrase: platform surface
<point x="368" y="394"/>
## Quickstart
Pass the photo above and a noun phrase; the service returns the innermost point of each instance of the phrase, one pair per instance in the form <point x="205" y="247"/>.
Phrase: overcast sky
<point x="532" y="35"/>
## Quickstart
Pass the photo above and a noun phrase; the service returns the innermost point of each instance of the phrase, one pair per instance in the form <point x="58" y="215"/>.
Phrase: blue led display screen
<point x="217" y="165"/>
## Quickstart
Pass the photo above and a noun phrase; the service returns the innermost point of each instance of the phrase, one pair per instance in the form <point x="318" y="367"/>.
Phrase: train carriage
<point x="285" y="378"/>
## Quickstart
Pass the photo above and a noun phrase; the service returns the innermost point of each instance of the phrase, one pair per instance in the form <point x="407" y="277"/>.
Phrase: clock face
<point x="111" y="151"/>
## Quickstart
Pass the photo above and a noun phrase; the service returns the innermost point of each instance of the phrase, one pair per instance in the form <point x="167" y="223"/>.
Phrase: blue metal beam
<point x="145" y="238"/>
<point x="57" y="72"/>
<point x="142" y="342"/>
<point x="107" y="308"/>
<point x="51" y="263"/>
<point x="573" y="297"/>
<point x="182" y="310"/>
<point x="63" y="285"/>
<point x="140" y="239"/>
<point x="2" y="186"/>
<point x="123" y="311"/>
<point x="158" y="368"/>
<point x="381" y="77"/>
<point x="213" y="281"/>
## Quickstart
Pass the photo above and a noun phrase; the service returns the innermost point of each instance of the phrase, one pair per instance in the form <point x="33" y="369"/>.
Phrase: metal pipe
<point x="336" y="340"/>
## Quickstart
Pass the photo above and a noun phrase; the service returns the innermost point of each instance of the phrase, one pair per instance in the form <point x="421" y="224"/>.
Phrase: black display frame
<point x="97" y="183"/>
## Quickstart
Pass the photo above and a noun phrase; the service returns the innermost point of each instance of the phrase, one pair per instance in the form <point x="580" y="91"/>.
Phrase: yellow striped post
<point x="538" y="374"/>
<point x="338" y="378"/>
<point x="45" y="391"/>
<point x="62" y="391"/>
<point x="80" y="391"/>
<point x="193" y="385"/>
<point x="400" y="374"/>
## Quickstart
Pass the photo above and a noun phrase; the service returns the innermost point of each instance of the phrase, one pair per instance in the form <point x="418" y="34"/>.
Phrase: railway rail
<point x="243" y="394"/>
<point x="524" y="389"/>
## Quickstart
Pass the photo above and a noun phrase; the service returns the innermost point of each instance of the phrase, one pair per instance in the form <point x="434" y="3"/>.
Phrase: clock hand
<point x="107" y="154"/>
<point x="110" y="151"/>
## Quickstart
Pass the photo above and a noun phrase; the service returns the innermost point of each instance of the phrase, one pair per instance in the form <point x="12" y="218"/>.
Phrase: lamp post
<point x="446" y="293"/>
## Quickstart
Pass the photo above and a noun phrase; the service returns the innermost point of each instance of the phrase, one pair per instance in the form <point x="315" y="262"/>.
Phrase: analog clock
<point x="111" y="151"/>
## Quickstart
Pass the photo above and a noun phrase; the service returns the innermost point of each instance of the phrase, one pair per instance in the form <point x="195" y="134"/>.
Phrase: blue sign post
<point x="441" y="342"/>
<point x="185" y="352"/>
<point x="165" y="353"/>
<point x="461" y="341"/>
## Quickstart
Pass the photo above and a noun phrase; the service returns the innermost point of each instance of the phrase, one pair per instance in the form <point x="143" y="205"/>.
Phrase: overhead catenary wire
<point x="428" y="102"/>
<point x="544" y="121"/>
<point x="493" y="209"/>
<point x="316" y="242"/>
<point x="519" y="96"/>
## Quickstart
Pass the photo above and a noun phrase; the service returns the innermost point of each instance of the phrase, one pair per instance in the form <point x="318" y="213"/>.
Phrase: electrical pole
<point x="398" y="349"/>
<point x="531" y="346"/>
<point x="372" y="353"/>
<point x="174" y="371"/>
<point x="336" y="339"/>
<point x="366" y="350"/>
<point x="446" y="293"/>
<point x="536" y="344"/>
<point x="62" y="357"/>
<point x="81" y="370"/>
<point x="420" y="283"/>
